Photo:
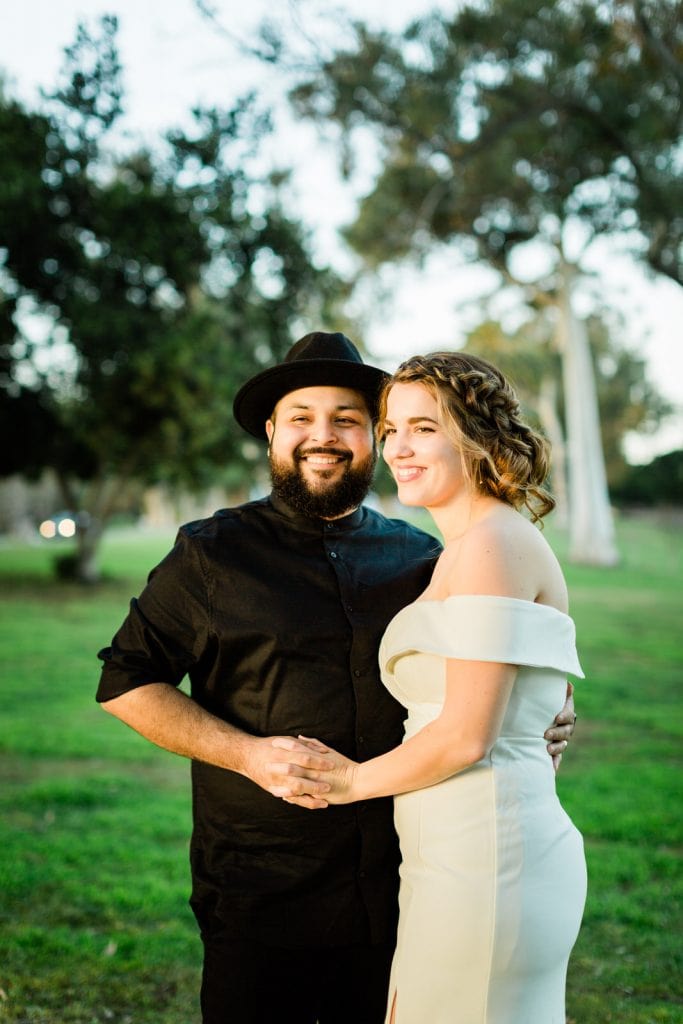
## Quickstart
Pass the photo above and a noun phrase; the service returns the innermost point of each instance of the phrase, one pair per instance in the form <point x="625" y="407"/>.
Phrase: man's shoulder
<point x="401" y="530"/>
<point x="225" y="521"/>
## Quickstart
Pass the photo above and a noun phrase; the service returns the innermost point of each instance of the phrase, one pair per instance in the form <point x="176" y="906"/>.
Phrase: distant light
<point x="66" y="528"/>
<point x="47" y="529"/>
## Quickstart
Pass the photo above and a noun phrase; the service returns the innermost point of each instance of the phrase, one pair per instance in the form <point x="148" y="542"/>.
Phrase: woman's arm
<point x="477" y="694"/>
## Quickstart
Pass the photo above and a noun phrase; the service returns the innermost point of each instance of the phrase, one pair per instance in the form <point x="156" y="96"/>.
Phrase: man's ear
<point x="270" y="430"/>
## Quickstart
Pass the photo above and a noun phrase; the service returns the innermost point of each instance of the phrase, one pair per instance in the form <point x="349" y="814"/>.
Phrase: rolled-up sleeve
<point x="166" y="629"/>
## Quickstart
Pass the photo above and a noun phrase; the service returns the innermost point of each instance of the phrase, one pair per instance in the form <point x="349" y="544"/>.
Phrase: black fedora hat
<point x="317" y="359"/>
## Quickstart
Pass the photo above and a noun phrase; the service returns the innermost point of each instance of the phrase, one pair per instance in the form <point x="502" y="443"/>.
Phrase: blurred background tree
<point x="517" y="128"/>
<point x="138" y="290"/>
<point x="657" y="484"/>
<point x="626" y="398"/>
<point x="139" y="286"/>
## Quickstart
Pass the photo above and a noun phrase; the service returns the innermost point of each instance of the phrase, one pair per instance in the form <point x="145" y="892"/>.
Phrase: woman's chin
<point x="408" y="499"/>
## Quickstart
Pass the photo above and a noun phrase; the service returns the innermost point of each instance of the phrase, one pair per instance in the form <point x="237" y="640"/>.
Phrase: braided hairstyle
<point x="479" y="410"/>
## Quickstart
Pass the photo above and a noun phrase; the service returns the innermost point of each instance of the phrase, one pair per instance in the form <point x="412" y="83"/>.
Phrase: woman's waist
<point x="522" y="740"/>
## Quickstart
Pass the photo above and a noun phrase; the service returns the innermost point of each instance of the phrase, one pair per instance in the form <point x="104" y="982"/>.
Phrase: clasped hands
<point x="312" y="775"/>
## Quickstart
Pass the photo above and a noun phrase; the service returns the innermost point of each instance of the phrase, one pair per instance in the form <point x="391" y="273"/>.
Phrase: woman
<point x="479" y="661"/>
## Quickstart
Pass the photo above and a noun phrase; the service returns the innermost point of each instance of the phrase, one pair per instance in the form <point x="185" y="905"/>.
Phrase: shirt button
<point x="333" y="554"/>
<point x="357" y="672"/>
<point x="361" y="739"/>
<point x="349" y="608"/>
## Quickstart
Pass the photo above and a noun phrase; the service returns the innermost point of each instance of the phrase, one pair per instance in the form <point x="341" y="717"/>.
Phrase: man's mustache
<point x="303" y="453"/>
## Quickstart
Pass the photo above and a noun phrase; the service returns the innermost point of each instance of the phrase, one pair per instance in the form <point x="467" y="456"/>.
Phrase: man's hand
<point x="288" y="768"/>
<point x="335" y="782"/>
<point x="560" y="732"/>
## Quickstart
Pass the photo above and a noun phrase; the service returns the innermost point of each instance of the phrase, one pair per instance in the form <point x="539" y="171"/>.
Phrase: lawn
<point x="94" y="922"/>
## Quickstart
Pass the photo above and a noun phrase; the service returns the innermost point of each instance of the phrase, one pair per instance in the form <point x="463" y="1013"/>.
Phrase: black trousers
<point x="248" y="983"/>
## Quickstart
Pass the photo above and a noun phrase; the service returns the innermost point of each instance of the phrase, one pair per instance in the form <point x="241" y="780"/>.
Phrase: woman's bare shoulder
<point x="506" y="555"/>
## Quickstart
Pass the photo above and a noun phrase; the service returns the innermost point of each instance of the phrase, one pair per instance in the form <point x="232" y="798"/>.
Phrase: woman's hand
<point x="316" y="789"/>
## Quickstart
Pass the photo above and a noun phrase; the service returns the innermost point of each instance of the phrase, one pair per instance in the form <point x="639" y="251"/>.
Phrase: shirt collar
<point x="312" y="525"/>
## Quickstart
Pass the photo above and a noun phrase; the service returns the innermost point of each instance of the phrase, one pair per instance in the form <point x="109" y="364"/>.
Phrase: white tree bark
<point x="591" y="524"/>
<point x="547" y="406"/>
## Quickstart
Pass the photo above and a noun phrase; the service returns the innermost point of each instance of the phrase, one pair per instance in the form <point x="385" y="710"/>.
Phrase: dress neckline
<point x="485" y="597"/>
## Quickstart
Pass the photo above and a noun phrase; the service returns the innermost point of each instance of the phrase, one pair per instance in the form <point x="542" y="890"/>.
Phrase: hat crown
<point x="320" y="345"/>
<point x="318" y="359"/>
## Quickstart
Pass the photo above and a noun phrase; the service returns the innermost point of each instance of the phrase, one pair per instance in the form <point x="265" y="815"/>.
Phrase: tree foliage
<point x="515" y="124"/>
<point x="139" y="289"/>
<point x="658" y="483"/>
<point x="508" y="120"/>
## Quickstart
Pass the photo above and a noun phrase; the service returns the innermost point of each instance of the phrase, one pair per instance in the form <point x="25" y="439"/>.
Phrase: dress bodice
<point x="537" y="638"/>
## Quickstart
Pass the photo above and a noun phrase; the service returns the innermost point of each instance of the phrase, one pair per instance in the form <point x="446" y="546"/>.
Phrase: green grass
<point x="622" y="781"/>
<point x="94" y="922"/>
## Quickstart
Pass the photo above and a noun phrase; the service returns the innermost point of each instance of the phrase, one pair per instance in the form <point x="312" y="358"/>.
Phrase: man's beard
<point x="328" y="501"/>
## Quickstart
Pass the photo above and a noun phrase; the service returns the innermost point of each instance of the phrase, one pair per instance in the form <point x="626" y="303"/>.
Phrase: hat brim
<point x="255" y="401"/>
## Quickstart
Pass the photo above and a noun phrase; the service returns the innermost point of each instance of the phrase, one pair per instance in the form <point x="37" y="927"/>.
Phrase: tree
<point x="658" y="483"/>
<point x="626" y="398"/>
<point x="161" y="280"/>
<point x="519" y="122"/>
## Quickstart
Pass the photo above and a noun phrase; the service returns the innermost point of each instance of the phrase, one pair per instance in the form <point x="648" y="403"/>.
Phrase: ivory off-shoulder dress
<point x="493" y="876"/>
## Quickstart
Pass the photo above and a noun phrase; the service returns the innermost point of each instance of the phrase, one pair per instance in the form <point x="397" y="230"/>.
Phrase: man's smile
<point x="322" y="459"/>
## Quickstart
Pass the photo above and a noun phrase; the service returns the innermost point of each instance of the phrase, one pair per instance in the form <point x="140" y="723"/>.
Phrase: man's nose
<point x="324" y="432"/>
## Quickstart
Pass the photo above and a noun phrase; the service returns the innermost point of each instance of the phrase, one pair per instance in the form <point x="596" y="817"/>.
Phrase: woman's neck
<point x="456" y="518"/>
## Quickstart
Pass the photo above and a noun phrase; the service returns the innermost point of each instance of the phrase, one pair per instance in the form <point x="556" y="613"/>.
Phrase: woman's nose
<point x="396" y="447"/>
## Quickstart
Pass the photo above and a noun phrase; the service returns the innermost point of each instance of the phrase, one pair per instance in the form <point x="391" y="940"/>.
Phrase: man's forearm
<point x="169" y="718"/>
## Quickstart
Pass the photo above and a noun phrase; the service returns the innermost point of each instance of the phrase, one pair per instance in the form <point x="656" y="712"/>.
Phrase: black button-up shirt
<point x="276" y="619"/>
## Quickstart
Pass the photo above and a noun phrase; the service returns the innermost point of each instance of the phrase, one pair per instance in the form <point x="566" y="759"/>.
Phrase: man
<point x="274" y="610"/>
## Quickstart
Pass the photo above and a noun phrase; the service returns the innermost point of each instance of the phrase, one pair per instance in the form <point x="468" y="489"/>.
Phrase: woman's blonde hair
<point x="479" y="410"/>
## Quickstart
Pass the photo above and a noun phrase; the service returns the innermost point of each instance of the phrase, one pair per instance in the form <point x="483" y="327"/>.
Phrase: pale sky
<point x="172" y="58"/>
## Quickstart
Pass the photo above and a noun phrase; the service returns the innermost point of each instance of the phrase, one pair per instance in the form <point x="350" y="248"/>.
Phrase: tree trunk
<point x="92" y="506"/>
<point x="591" y="525"/>
<point x="547" y="407"/>
<point x="88" y="537"/>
